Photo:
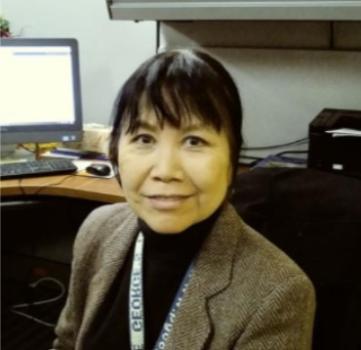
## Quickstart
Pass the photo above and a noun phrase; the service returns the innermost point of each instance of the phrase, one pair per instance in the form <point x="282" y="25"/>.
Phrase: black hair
<point x="177" y="84"/>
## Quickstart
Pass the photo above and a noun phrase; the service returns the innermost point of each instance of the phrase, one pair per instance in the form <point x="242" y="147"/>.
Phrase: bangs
<point x="177" y="89"/>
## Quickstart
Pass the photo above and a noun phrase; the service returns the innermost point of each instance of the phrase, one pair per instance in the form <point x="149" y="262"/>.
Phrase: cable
<point x="40" y="302"/>
<point x="292" y="152"/>
<point x="35" y="319"/>
<point x="275" y="146"/>
<point x="21" y="145"/>
<point x="45" y="301"/>
<point x="42" y="187"/>
<point x="248" y="160"/>
<point x="52" y="185"/>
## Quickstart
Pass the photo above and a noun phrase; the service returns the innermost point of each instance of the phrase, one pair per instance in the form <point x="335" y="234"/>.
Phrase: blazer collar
<point x="211" y="275"/>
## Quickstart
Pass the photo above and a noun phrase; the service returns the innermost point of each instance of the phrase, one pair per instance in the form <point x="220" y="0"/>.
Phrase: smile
<point x="167" y="202"/>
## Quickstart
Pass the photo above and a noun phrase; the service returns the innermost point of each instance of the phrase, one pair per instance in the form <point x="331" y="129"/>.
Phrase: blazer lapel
<point x="212" y="274"/>
<point x="116" y="248"/>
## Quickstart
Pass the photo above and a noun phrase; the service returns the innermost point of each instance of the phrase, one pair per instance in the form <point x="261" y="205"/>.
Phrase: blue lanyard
<point x="136" y="308"/>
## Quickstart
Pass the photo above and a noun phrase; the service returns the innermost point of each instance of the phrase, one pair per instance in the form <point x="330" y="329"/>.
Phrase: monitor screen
<point x="40" y="98"/>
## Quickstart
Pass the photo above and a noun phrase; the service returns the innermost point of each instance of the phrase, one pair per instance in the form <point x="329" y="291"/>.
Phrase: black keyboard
<point x="41" y="167"/>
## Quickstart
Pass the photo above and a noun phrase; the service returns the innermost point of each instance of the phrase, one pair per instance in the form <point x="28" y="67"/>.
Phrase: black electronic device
<point x="335" y="141"/>
<point x="37" y="168"/>
<point x="98" y="169"/>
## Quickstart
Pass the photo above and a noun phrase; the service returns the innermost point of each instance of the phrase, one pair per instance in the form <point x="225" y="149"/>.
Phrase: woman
<point x="176" y="267"/>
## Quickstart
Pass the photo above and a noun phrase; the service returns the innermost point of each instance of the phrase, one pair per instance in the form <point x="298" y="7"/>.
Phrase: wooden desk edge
<point x="71" y="186"/>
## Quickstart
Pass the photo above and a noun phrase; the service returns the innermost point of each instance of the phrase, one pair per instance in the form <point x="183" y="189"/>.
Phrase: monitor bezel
<point x="17" y="134"/>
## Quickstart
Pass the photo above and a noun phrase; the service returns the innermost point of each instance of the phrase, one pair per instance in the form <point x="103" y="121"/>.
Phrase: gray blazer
<point x="244" y="293"/>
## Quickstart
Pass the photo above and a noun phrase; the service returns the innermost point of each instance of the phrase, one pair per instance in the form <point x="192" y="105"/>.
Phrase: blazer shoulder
<point x="265" y="265"/>
<point x="102" y="223"/>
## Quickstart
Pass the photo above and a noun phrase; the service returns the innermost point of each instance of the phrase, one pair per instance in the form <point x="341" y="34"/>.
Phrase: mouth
<point x="169" y="196"/>
<point x="167" y="202"/>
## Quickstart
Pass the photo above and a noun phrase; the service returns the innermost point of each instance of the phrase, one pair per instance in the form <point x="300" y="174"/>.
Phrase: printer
<point x="335" y="142"/>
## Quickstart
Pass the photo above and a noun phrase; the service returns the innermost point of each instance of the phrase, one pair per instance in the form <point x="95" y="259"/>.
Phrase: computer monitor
<point x="40" y="98"/>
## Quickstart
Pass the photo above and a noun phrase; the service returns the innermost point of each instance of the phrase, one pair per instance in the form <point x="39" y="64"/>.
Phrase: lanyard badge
<point x="136" y="311"/>
<point x="136" y="308"/>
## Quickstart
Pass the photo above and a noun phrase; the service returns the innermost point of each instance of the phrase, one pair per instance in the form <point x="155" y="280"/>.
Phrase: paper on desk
<point x="344" y="132"/>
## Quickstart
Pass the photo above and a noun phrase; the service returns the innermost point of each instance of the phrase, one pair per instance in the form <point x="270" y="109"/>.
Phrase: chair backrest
<point x="315" y="217"/>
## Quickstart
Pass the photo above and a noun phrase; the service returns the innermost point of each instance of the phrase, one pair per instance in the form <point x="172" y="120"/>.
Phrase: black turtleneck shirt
<point x="166" y="259"/>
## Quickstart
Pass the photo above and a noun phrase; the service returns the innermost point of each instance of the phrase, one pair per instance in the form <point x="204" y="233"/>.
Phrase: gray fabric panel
<point x="270" y="34"/>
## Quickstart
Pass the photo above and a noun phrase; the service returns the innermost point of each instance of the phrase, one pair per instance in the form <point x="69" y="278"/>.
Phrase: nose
<point x="167" y="165"/>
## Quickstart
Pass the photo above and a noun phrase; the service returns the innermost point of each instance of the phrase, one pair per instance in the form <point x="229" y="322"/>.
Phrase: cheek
<point x="130" y="170"/>
<point x="212" y="176"/>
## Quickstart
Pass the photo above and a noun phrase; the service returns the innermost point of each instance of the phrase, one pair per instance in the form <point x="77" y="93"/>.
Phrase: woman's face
<point x="174" y="177"/>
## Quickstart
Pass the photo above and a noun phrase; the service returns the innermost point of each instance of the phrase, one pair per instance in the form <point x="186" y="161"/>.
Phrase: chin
<point x="166" y="227"/>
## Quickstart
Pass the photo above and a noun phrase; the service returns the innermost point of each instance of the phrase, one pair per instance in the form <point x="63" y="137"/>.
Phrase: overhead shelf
<point x="338" y="10"/>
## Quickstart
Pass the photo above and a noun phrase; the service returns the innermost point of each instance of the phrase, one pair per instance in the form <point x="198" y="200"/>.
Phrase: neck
<point x="204" y="225"/>
<point x="182" y="245"/>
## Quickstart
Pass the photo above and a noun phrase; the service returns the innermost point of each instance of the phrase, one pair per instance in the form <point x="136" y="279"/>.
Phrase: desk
<point x="72" y="186"/>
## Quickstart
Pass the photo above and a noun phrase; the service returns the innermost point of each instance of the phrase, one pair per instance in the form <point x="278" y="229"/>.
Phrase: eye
<point x="195" y="141"/>
<point x="143" y="139"/>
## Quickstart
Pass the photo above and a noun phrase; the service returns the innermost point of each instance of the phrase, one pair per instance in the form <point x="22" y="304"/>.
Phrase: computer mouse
<point x="98" y="169"/>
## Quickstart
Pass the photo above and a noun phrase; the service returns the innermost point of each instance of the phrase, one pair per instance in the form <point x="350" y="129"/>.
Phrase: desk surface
<point x="74" y="186"/>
